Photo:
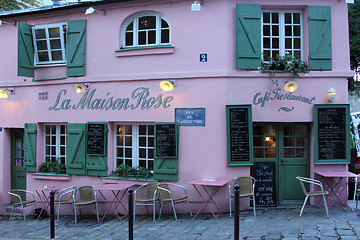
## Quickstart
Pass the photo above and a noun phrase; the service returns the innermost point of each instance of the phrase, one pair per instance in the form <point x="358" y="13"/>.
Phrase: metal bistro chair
<point x="308" y="194"/>
<point x="247" y="186"/>
<point x="152" y="196"/>
<point x="167" y="196"/>
<point x="64" y="196"/>
<point x="18" y="202"/>
<point x="87" y="196"/>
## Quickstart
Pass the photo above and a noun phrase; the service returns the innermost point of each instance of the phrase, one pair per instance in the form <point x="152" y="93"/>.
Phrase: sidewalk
<point x="270" y="223"/>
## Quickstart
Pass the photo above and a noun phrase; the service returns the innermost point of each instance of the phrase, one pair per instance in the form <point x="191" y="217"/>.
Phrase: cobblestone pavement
<point x="270" y="223"/>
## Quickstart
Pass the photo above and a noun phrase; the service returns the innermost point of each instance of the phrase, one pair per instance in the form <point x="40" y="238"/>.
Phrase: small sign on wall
<point x="190" y="116"/>
<point x="203" y="57"/>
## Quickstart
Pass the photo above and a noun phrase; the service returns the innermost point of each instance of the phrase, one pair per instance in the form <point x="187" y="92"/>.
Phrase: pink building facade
<point x="122" y="52"/>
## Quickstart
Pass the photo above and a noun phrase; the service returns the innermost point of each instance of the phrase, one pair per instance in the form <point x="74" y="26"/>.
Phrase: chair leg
<point x="58" y="214"/>
<point x="153" y="211"/>
<point x="97" y="212"/>
<point x="173" y="206"/>
<point x="326" y="207"/>
<point x="230" y="205"/>
<point x="134" y="209"/>
<point x="12" y="210"/>
<point x="161" y="208"/>
<point x="23" y="213"/>
<point x="254" y="205"/>
<point x="302" y="209"/>
<point x="187" y="200"/>
<point x="75" y="214"/>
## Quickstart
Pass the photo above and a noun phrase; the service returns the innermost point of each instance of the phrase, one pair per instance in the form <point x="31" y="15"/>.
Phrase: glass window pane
<point x="119" y="152"/>
<point x="288" y="31"/>
<point x="288" y="43"/>
<point x="47" y="140"/>
<point x="53" y="129"/>
<point x="266" y="30"/>
<point x="142" y="153"/>
<point x="152" y="37"/>
<point x="53" y="150"/>
<point x="128" y="152"/>
<point x="275" y="30"/>
<point x="274" y="17"/>
<point x="147" y="22"/>
<point x="54" y="32"/>
<point x="151" y="130"/>
<point x="120" y="141"/>
<point x="297" y="54"/>
<point x="258" y="129"/>
<point x="130" y="27"/>
<point x="41" y="45"/>
<point x="142" y="163"/>
<point x="300" y="142"/>
<point x="142" y="141"/>
<point x="128" y="162"/>
<point x="40" y="33"/>
<point x="43" y="56"/>
<point x="270" y="141"/>
<point x="258" y="153"/>
<point x="128" y="141"/>
<point x="296" y="31"/>
<point x="150" y="165"/>
<point x="289" y="142"/>
<point x="300" y="153"/>
<point x="47" y="150"/>
<point x="296" y="18"/>
<point x="270" y="130"/>
<point x="56" y="55"/>
<point x="289" y="152"/>
<point x="62" y="140"/>
<point x="120" y="129"/>
<point x="62" y="150"/>
<point x="164" y="24"/>
<point x="270" y="152"/>
<point x="150" y="142"/>
<point x="266" y="54"/>
<point x="275" y="54"/>
<point x="128" y="129"/>
<point x="275" y="43"/>
<point x="151" y="153"/>
<point x="53" y="140"/>
<point x="301" y="130"/>
<point x="165" y="36"/>
<point x="258" y="141"/>
<point x="266" y="42"/>
<point x="289" y="130"/>
<point x="297" y="43"/>
<point x="266" y="17"/>
<point x="129" y="39"/>
<point x="287" y="18"/>
<point x="142" y="38"/>
<point x="55" y="44"/>
<point x="142" y="129"/>
<point x="62" y="129"/>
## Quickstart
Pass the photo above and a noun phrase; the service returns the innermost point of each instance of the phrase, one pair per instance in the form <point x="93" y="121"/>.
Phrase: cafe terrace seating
<point x="308" y="194"/>
<point x="83" y="197"/>
<point x="64" y="196"/>
<point x="151" y="197"/>
<point x="17" y="200"/>
<point x="247" y="186"/>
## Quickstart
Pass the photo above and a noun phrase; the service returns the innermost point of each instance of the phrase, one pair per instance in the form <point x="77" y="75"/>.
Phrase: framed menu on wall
<point x="238" y="134"/>
<point x="96" y="138"/>
<point x="332" y="133"/>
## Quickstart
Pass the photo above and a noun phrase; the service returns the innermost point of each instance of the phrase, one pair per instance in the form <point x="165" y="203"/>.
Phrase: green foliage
<point x="287" y="63"/>
<point x="354" y="38"/>
<point x="8" y="5"/>
<point x="124" y="170"/>
<point x="53" y="167"/>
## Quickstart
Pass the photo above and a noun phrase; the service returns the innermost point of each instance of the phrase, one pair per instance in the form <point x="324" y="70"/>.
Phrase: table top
<point x="47" y="189"/>
<point x="209" y="182"/>
<point x="336" y="174"/>
<point x="115" y="186"/>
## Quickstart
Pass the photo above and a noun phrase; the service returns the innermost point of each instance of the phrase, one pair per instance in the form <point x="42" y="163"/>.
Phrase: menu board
<point x="265" y="186"/>
<point x="238" y="130"/>
<point x="96" y="138"/>
<point x="165" y="140"/>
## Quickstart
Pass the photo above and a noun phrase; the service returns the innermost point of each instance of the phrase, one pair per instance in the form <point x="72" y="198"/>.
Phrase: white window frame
<point x="135" y="145"/>
<point x="58" y="135"/>
<point x="135" y="20"/>
<point x="282" y="51"/>
<point x="38" y="63"/>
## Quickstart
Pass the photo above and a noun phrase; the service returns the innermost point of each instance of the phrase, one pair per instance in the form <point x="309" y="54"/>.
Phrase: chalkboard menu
<point x="165" y="140"/>
<point x="332" y="133"/>
<point x="265" y="186"/>
<point x="239" y="127"/>
<point x="96" y="133"/>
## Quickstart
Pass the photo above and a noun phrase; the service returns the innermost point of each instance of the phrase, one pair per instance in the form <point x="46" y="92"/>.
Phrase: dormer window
<point x="146" y="30"/>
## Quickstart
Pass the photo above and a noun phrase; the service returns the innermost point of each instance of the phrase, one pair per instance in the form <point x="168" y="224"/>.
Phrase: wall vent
<point x="43" y="95"/>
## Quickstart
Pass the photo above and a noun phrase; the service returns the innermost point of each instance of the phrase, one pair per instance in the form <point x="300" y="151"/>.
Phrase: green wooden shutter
<point x="75" y="148"/>
<point x="96" y="164"/>
<point x="30" y="147"/>
<point x="166" y="167"/>
<point x="25" y="51"/>
<point x="248" y="36"/>
<point x="75" y="48"/>
<point x="320" y="47"/>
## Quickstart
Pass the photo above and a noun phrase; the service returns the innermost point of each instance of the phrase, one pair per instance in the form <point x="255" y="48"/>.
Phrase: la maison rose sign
<point x="139" y="98"/>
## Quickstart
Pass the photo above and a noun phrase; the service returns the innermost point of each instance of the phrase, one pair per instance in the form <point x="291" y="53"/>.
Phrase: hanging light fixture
<point x="331" y="94"/>
<point x="291" y="86"/>
<point x="81" y="87"/>
<point x="168" y="85"/>
<point x="91" y="10"/>
<point x="3" y="92"/>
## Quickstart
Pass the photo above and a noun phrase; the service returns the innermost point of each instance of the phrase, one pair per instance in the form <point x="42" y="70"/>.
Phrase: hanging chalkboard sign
<point x="96" y="133"/>
<point x="239" y="131"/>
<point x="166" y="140"/>
<point x="265" y="186"/>
<point x="332" y="128"/>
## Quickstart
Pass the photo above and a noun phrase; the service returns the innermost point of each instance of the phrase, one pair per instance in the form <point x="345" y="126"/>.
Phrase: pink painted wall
<point x="210" y="85"/>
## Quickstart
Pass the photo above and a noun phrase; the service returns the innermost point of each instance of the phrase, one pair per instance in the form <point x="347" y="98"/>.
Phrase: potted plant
<point x="54" y="166"/>
<point x="124" y="170"/>
<point x="287" y="63"/>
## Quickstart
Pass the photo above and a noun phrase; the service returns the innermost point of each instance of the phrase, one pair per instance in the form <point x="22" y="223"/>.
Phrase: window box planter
<point x="51" y="176"/>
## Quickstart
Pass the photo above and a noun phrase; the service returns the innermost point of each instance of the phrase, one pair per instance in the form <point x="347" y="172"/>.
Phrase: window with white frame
<point x="55" y="142"/>
<point x="281" y="34"/>
<point x="134" y="145"/>
<point x="49" y="44"/>
<point x="146" y="30"/>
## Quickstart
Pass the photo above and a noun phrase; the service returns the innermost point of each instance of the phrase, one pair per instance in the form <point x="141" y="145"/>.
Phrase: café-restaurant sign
<point x="139" y="98"/>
